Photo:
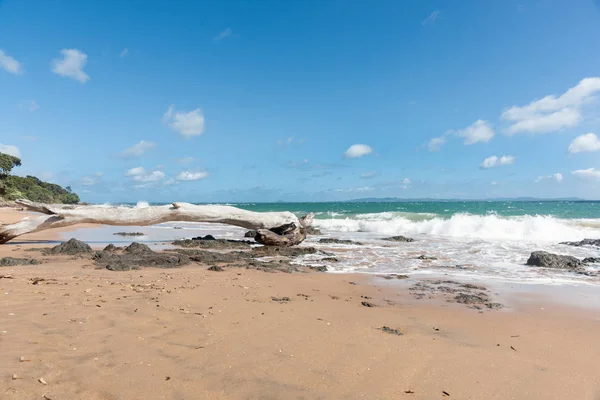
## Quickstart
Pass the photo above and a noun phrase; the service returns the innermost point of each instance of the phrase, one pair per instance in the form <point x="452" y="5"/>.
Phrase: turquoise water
<point x="557" y="209"/>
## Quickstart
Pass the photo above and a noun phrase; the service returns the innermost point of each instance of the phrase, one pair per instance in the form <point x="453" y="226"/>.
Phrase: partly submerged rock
<point x="311" y="230"/>
<point x="277" y="251"/>
<point x="12" y="261"/>
<point x="209" y="242"/>
<point x="584" y="242"/>
<point x="338" y="241"/>
<point x="399" y="238"/>
<point x="319" y="268"/>
<point x="250" y="234"/>
<point x="71" y="247"/>
<point x="424" y="257"/>
<point x="591" y="260"/>
<point x="557" y="261"/>
<point x="128" y="233"/>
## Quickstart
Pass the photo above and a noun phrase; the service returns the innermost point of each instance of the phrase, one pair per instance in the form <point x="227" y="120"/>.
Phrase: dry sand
<point x="189" y="333"/>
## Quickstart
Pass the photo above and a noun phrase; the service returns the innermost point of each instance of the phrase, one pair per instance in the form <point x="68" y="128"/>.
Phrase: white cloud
<point x="191" y="176"/>
<point x="124" y="52"/>
<point x="10" y="149"/>
<point x="138" y="149"/>
<point x="406" y="182"/>
<point x="479" y="131"/>
<point x="436" y="143"/>
<point x="495" y="161"/>
<point x="552" y="113"/>
<point x="585" y="143"/>
<point x="71" y="65"/>
<point x="590" y="173"/>
<point x="359" y="189"/>
<point x="358" y="150"/>
<point x="139" y="174"/>
<point x="224" y="34"/>
<point x="368" y="175"/>
<point x="493" y="183"/>
<point x="9" y="64"/>
<point x="558" y="177"/>
<point x="289" y="141"/>
<point x="430" y="20"/>
<point x="29" y="105"/>
<point x="187" y="124"/>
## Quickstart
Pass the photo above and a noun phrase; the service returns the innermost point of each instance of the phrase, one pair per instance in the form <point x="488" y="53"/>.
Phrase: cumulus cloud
<point x="9" y="64"/>
<point x="139" y="174"/>
<point x="71" y="65"/>
<point x="495" y="161"/>
<point x="191" y="176"/>
<point x="479" y="131"/>
<point x="406" y="182"/>
<point x="186" y="123"/>
<point x="552" y="113"/>
<point x="10" y="150"/>
<point x="435" y="144"/>
<point x="368" y="175"/>
<point x="585" y="143"/>
<point x="590" y="173"/>
<point x="358" y="150"/>
<point x="138" y="149"/>
<point x="430" y="20"/>
<point x="224" y="34"/>
<point x="558" y="177"/>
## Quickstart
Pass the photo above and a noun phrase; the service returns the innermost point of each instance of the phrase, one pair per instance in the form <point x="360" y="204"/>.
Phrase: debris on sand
<point x="216" y="268"/>
<point x="391" y="331"/>
<point x="281" y="299"/>
<point x="367" y="304"/>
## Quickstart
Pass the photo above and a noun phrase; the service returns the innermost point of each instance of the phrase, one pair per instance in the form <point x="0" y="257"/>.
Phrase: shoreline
<point x="242" y="333"/>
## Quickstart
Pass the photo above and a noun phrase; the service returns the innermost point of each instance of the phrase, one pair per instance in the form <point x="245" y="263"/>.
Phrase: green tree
<point x="7" y="163"/>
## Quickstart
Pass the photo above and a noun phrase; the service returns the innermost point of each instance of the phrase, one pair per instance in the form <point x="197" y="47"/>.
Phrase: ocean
<point x="478" y="240"/>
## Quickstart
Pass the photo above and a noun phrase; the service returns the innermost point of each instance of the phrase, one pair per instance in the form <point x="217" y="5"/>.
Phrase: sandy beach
<point x="70" y="330"/>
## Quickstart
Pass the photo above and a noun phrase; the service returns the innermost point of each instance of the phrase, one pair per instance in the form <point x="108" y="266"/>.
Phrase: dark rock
<point x="71" y="247"/>
<point x="209" y="242"/>
<point x="11" y="261"/>
<point x="465" y="298"/>
<point x="584" y="242"/>
<point x="367" y="304"/>
<point x="274" y="251"/>
<point x="319" y="268"/>
<point x="112" y="247"/>
<point x="338" y="241"/>
<point x="549" y="260"/>
<point x="399" y="239"/>
<point x="311" y="230"/>
<point x="494" y="306"/>
<point x="471" y="286"/>
<point x="591" y="260"/>
<point x="391" y="331"/>
<point x="207" y="237"/>
<point x="393" y="276"/>
<point x="424" y="257"/>
<point x="250" y="234"/>
<point x="138" y="255"/>
<point x="330" y="259"/>
<point x="281" y="299"/>
<point x="216" y="268"/>
<point x="128" y="233"/>
<point x="213" y="257"/>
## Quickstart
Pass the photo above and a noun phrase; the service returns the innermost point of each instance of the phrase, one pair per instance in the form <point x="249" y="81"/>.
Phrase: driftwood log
<point x="273" y="228"/>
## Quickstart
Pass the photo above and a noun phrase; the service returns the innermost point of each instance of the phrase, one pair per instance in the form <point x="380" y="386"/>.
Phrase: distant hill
<point x="14" y="187"/>
<point x="402" y="200"/>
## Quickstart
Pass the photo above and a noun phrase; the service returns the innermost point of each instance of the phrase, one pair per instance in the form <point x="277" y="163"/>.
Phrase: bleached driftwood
<point x="273" y="228"/>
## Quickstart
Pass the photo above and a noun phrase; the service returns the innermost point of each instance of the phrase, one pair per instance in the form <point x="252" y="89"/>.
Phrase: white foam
<point x="532" y="228"/>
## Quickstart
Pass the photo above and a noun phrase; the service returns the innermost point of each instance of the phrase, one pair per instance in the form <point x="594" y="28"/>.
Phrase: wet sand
<point x="190" y="333"/>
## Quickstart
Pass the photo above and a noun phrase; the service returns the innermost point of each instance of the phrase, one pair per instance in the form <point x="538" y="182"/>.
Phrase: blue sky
<point x="303" y="100"/>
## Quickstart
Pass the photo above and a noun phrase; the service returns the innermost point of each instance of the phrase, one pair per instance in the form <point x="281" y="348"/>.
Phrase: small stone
<point x="42" y="381"/>
<point x="15" y="377"/>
